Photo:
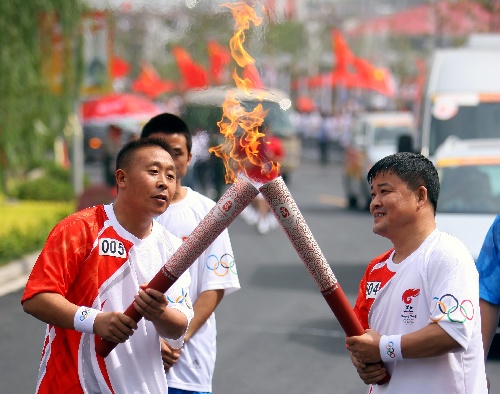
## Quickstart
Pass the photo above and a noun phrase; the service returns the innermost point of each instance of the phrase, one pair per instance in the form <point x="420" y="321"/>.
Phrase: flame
<point x="243" y="14"/>
<point x="244" y="146"/>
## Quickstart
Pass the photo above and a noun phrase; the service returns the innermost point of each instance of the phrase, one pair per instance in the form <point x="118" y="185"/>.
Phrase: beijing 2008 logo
<point x="224" y="209"/>
<point x="286" y="214"/>
<point x="227" y="206"/>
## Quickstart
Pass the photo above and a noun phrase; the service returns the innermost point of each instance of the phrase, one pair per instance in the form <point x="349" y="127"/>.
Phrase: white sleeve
<point x="178" y="298"/>
<point x="454" y="287"/>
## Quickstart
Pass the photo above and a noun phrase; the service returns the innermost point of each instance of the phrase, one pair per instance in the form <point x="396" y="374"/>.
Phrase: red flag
<point x="251" y="73"/>
<point x="374" y="78"/>
<point x="119" y="67"/>
<point x="343" y="54"/>
<point x="150" y="83"/>
<point x="219" y="57"/>
<point x="364" y="70"/>
<point x="193" y="74"/>
<point x="353" y="72"/>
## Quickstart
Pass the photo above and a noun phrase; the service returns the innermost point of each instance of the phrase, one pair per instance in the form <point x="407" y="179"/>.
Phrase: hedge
<point x="25" y="225"/>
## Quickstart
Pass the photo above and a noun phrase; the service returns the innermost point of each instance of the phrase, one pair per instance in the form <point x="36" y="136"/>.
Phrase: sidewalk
<point x="14" y="275"/>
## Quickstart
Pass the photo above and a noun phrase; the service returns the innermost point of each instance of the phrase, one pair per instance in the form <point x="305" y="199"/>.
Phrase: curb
<point x="14" y="275"/>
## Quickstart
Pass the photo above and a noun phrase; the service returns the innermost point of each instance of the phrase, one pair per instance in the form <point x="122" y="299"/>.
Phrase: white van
<point x="374" y="135"/>
<point x="469" y="199"/>
<point x="203" y="109"/>
<point x="462" y="97"/>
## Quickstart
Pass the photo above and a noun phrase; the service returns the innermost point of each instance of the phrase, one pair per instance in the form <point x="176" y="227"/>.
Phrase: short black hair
<point x="126" y="153"/>
<point x="414" y="169"/>
<point x="168" y="124"/>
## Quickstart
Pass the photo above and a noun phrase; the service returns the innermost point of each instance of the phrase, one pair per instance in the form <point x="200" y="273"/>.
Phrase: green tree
<point x="31" y="115"/>
<point x="287" y="37"/>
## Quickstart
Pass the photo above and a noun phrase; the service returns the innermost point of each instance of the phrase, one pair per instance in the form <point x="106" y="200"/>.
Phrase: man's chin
<point x="378" y="230"/>
<point x="160" y="210"/>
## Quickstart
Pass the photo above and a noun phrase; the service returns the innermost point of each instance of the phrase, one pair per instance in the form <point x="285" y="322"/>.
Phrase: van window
<point x="469" y="189"/>
<point x="388" y="136"/>
<point x="469" y="122"/>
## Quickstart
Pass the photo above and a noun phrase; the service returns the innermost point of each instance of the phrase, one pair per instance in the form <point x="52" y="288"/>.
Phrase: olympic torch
<point x="232" y="202"/>
<point x="291" y="220"/>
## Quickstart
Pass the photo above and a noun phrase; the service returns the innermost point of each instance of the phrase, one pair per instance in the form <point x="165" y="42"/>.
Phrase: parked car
<point x="374" y="135"/>
<point x="203" y="109"/>
<point x="469" y="200"/>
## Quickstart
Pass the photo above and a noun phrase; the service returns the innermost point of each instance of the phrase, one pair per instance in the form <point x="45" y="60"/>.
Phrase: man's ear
<point x="422" y="195"/>
<point x="120" y="177"/>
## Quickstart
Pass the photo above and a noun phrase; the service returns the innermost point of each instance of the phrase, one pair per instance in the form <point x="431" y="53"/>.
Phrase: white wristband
<point x="390" y="348"/>
<point x="84" y="319"/>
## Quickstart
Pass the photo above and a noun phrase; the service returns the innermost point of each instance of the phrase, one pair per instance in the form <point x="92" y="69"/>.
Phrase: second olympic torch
<point x="291" y="220"/>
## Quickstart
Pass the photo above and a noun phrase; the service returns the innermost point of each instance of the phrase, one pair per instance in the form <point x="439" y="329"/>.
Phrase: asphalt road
<point x="275" y="335"/>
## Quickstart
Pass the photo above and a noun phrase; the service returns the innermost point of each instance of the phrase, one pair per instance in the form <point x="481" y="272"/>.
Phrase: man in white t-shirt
<point x="95" y="263"/>
<point x="190" y="369"/>
<point x="418" y="302"/>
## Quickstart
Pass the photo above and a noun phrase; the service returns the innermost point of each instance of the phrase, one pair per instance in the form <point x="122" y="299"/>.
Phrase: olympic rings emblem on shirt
<point x="448" y="305"/>
<point x="180" y="299"/>
<point x="223" y="266"/>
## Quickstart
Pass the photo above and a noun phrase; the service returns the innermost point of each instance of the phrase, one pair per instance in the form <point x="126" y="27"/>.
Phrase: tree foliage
<point x="31" y="114"/>
<point x="286" y="37"/>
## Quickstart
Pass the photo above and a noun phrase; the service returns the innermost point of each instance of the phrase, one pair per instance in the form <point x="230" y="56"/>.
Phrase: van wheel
<point x="364" y="197"/>
<point x="352" y="202"/>
<point x="364" y="205"/>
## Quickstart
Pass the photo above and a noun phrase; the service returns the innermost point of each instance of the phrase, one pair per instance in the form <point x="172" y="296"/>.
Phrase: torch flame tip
<point x="244" y="149"/>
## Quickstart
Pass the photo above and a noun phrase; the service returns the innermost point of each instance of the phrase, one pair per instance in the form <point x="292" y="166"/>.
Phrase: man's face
<point x="150" y="182"/>
<point x="181" y="157"/>
<point x="393" y="205"/>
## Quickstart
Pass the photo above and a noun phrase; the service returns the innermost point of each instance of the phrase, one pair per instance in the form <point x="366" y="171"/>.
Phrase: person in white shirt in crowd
<point x="214" y="275"/>
<point x="200" y="163"/>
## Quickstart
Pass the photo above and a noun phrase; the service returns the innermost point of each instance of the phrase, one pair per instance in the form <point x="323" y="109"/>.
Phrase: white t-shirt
<point x="91" y="260"/>
<point x="438" y="282"/>
<point x="214" y="269"/>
